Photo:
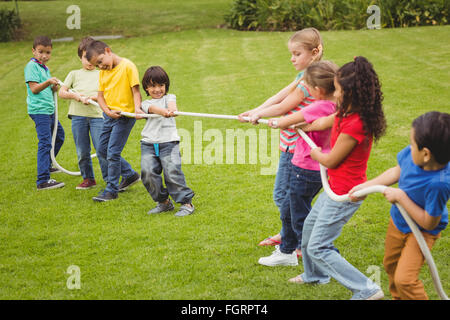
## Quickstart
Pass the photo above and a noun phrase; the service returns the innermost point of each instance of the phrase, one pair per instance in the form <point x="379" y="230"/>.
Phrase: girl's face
<point x="156" y="90"/>
<point x="338" y="94"/>
<point x="316" y="92"/>
<point x="300" y="56"/>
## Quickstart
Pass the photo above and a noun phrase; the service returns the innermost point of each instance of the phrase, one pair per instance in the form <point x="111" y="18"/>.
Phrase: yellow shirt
<point x="116" y="85"/>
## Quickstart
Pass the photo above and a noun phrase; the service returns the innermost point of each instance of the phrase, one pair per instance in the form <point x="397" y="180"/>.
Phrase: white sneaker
<point x="278" y="258"/>
<point x="377" y="295"/>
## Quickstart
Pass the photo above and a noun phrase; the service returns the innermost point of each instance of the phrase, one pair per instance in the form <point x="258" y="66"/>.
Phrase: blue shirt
<point x="42" y="102"/>
<point x="430" y="190"/>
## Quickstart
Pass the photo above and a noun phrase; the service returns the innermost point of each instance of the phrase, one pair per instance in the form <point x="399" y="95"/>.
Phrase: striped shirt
<point x="288" y="137"/>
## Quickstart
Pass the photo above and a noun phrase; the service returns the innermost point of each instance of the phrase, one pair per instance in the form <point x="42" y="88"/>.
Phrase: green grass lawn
<point x="125" y="254"/>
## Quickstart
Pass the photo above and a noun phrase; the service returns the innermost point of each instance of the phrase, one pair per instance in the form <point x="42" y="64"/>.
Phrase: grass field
<point x="123" y="253"/>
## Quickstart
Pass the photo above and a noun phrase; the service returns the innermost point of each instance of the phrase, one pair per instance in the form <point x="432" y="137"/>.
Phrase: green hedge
<point x="9" y="23"/>
<point x="285" y="15"/>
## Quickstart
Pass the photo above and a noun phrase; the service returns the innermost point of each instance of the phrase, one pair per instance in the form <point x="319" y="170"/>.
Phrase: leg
<point x="305" y="184"/>
<point x="312" y="273"/>
<point x="406" y="276"/>
<point x="80" y="131"/>
<point x="117" y="166"/>
<point x="151" y="173"/>
<point x="393" y="246"/>
<point x="43" y="129"/>
<point x="330" y="221"/>
<point x="60" y="135"/>
<point x="95" y="128"/>
<point x="173" y="175"/>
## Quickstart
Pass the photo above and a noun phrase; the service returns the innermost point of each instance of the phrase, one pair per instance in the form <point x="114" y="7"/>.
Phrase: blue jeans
<point x="169" y="163"/>
<point x="303" y="187"/>
<point x="82" y="127"/>
<point x="44" y="124"/>
<point x="320" y="260"/>
<point x="113" y="138"/>
<point x="281" y="187"/>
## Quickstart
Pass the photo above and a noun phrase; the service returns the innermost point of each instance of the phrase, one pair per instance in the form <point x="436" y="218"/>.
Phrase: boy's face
<point x="103" y="61"/>
<point x="156" y="91"/>
<point x="42" y="53"/>
<point x="418" y="156"/>
<point x="86" y="64"/>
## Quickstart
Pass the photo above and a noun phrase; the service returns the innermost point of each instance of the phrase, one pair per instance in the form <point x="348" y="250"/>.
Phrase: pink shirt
<point x="317" y="109"/>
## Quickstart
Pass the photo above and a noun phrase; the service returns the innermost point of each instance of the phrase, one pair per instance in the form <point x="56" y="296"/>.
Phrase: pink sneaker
<point x="86" y="184"/>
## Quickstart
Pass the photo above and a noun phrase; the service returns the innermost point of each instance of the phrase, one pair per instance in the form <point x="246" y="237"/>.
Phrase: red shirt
<point x="351" y="171"/>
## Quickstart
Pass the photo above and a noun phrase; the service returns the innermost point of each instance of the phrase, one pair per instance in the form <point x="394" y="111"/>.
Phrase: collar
<point x="39" y="63"/>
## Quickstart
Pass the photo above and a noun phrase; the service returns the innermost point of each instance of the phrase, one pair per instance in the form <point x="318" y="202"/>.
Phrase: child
<point x="118" y="91"/>
<point x="359" y="120"/>
<point x="305" y="46"/>
<point x="41" y="109"/>
<point x="304" y="180"/>
<point x="160" y="147"/>
<point x="86" y="118"/>
<point x="423" y="176"/>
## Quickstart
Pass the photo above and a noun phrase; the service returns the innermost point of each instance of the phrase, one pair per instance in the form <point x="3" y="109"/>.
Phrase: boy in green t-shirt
<point x="41" y="108"/>
<point x="87" y="119"/>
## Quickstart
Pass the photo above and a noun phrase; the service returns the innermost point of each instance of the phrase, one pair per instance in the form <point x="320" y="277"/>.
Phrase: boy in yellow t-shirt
<point x="118" y="91"/>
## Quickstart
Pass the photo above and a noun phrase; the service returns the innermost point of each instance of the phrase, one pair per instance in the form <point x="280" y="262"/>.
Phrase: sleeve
<point x="317" y="110"/>
<point x="68" y="82"/>
<point x="403" y="154"/>
<point x="133" y="74"/>
<point x="101" y="86"/>
<point x="31" y="73"/>
<point x="354" y="128"/>
<point x="171" y="98"/>
<point x="144" y="105"/>
<point x="436" y="198"/>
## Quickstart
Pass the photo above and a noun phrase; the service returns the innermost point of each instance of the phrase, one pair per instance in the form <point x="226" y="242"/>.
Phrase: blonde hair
<point x="310" y="39"/>
<point x="321" y="74"/>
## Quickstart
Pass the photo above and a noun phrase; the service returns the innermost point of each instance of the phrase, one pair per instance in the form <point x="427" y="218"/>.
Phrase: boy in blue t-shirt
<point x="41" y="108"/>
<point x="423" y="176"/>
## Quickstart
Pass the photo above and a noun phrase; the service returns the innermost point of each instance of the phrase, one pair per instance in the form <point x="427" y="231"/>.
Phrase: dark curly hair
<point x="362" y="94"/>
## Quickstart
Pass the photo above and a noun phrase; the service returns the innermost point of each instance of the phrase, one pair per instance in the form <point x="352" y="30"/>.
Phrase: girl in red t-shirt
<point x="359" y="119"/>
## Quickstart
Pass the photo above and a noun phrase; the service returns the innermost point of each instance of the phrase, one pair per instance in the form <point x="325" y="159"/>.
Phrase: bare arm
<point x="342" y="148"/>
<point x="277" y="98"/>
<point x="320" y="124"/>
<point x="36" y="87"/>
<point x="289" y="103"/>
<point x="115" y="114"/>
<point x="137" y="98"/>
<point x="418" y="214"/>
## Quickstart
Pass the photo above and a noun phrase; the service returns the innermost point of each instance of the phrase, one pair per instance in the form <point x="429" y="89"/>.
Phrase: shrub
<point x="333" y="14"/>
<point x="9" y="23"/>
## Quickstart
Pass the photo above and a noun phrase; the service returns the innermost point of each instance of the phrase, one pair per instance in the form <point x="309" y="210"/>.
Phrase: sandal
<point x="269" y="242"/>
<point x="298" y="279"/>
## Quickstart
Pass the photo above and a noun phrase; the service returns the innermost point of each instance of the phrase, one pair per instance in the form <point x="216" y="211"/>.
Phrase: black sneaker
<point x="105" y="196"/>
<point x="54" y="170"/>
<point x="128" y="182"/>
<point x="50" y="184"/>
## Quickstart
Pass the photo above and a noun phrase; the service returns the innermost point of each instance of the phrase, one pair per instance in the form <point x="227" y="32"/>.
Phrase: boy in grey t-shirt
<point x="160" y="152"/>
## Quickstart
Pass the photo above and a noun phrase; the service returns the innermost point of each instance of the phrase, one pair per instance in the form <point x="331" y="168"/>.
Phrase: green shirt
<point x="85" y="82"/>
<point x="42" y="102"/>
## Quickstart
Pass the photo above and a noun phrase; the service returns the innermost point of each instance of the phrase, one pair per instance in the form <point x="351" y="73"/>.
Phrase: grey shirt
<point x="160" y="129"/>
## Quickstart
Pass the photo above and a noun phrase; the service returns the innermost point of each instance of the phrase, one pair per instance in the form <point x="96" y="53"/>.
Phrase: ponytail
<point x="362" y="94"/>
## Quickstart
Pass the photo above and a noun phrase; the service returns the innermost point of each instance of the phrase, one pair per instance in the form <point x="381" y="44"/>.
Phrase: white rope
<point x="192" y="114"/>
<point x="380" y="188"/>
<point x="55" y="130"/>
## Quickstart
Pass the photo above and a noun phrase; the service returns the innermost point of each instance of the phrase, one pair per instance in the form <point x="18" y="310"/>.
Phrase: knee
<point x="403" y="281"/>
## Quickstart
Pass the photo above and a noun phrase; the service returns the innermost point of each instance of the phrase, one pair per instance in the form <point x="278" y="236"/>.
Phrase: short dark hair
<point x="84" y="43"/>
<point x="155" y="75"/>
<point x="95" y="48"/>
<point x="43" y="41"/>
<point x="432" y="131"/>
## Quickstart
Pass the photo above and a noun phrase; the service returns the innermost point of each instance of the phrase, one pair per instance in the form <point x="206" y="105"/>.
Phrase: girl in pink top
<point x="304" y="179"/>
